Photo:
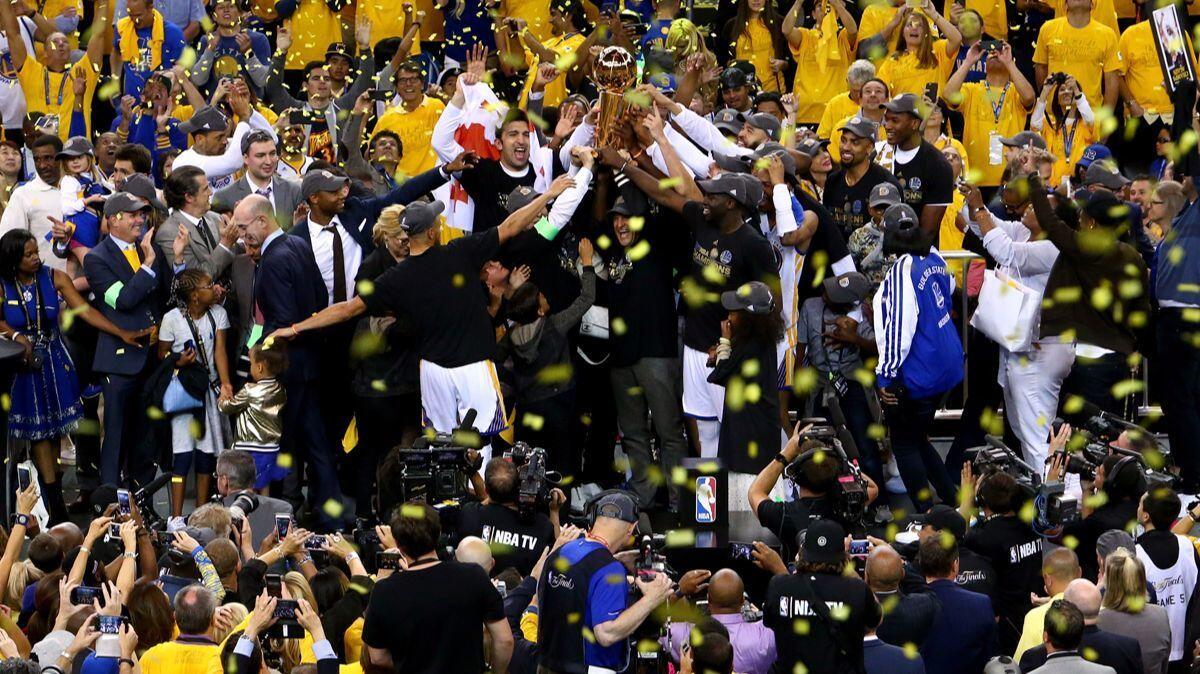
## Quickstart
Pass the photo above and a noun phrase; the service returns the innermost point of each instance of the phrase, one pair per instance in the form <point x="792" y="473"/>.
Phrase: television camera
<point x="535" y="481"/>
<point x="1053" y="508"/>
<point x="848" y="497"/>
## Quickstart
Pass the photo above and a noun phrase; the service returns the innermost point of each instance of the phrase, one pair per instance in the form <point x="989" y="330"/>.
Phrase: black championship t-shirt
<point x="489" y="185"/>
<point x="431" y="618"/>
<point x="1015" y="552"/>
<point x="926" y="179"/>
<point x="641" y="296"/>
<point x="439" y="293"/>
<point x="514" y="541"/>
<point x="827" y="245"/>
<point x="851" y="605"/>
<point x="848" y="203"/>
<point x="720" y="262"/>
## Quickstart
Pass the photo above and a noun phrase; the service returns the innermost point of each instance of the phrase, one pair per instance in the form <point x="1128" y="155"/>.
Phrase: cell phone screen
<point x="387" y="560"/>
<point x="274" y="585"/>
<point x="283" y="525"/>
<point x="23" y="477"/>
<point x="123" y="501"/>
<point x="741" y="551"/>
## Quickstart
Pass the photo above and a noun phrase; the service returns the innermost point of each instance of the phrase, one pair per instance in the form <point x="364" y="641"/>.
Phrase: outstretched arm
<point x="330" y="315"/>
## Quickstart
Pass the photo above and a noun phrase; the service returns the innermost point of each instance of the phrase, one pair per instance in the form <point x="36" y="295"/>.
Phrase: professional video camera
<point x="535" y="481"/>
<point x="1100" y="431"/>
<point x="435" y="469"/>
<point x="1053" y="508"/>
<point x="849" y="496"/>
<point x="651" y="560"/>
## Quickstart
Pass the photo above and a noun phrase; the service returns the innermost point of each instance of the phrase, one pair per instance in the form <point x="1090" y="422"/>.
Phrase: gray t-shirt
<point x="815" y="320"/>
<point x="1151" y="628"/>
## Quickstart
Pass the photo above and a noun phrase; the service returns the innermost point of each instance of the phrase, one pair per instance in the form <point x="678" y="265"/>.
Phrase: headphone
<point x="792" y="470"/>
<point x="591" y="510"/>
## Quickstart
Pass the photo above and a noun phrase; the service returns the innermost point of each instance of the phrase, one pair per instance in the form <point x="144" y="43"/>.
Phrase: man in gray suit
<point x="236" y="475"/>
<point x="1063" y="634"/>
<point x="260" y="156"/>
<point x="207" y="242"/>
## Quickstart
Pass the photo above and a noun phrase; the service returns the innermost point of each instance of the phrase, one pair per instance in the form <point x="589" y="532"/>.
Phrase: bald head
<point x="68" y="535"/>
<point x="255" y="218"/>
<point x="725" y="590"/>
<point x="474" y="550"/>
<point x="1059" y="568"/>
<point x="1084" y="594"/>
<point x="885" y="569"/>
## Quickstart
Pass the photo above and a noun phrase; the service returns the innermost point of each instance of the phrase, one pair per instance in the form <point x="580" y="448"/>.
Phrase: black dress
<point x="750" y="432"/>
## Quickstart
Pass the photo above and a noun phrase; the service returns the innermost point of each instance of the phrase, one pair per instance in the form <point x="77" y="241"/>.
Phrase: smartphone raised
<point x="84" y="595"/>
<point x="123" y="502"/>
<point x="274" y="585"/>
<point x="283" y="526"/>
<point x="23" y="477"/>
<point x="741" y="551"/>
<point x="860" y="547"/>
<point x="285" y="609"/>
<point x="299" y="117"/>
<point x="387" y="560"/>
<point x="381" y="95"/>
<point x="109" y="624"/>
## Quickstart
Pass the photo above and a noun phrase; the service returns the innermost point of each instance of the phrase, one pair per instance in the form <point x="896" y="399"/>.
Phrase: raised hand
<point x="180" y="243"/>
<point x="283" y="36"/>
<point x="560" y="185"/>
<point x="362" y="31"/>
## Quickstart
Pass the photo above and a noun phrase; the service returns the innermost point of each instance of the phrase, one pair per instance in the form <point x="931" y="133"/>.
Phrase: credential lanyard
<point x="62" y="85"/>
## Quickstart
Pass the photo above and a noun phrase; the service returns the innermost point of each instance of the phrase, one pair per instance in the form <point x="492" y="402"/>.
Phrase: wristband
<point x="781" y="459"/>
<point x="126" y="661"/>
<point x="351" y="556"/>
<point x="20" y="519"/>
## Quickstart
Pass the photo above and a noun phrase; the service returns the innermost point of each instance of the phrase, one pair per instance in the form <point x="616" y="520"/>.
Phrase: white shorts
<point x="785" y="356"/>
<point x="701" y="400"/>
<point x="447" y="393"/>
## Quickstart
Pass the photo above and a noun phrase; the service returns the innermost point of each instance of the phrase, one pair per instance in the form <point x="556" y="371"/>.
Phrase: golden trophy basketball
<point x="614" y="72"/>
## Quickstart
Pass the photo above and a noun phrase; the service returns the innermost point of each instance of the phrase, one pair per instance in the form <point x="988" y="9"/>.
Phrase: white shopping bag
<point x="1007" y="311"/>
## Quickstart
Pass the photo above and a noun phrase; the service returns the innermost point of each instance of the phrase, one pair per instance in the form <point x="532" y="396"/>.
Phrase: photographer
<point x="839" y="609"/>
<point x="236" y="475"/>
<point x="428" y="617"/>
<point x="589" y="583"/>
<point x="516" y="541"/>
<point x="1010" y="544"/>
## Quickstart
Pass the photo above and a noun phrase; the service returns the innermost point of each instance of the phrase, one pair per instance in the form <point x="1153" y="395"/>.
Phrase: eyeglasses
<point x="1159" y="141"/>
<point x="408" y="80"/>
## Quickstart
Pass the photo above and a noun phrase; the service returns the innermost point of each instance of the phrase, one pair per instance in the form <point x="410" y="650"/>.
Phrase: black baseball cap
<point x="76" y="146"/>
<point x="846" y="288"/>
<point x="753" y="297"/>
<point x="338" y="49"/>
<point x="764" y="122"/>
<point x="520" y="197"/>
<point x="824" y="542"/>
<point x="124" y="202"/>
<point x="772" y="149"/>
<point x="617" y="505"/>
<point x="204" y="120"/>
<point x="624" y="207"/>
<point x="320" y="181"/>
<point x="861" y="127"/>
<point x="906" y="103"/>
<point x="419" y="216"/>
<point x="141" y="186"/>
<point x="727" y="119"/>
<point x="1024" y="139"/>
<point x="900" y="216"/>
<point x="744" y="188"/>
<point x="944" y="518"/>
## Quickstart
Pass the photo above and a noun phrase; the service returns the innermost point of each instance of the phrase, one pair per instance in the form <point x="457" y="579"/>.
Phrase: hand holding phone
<point x="23" y="477"/>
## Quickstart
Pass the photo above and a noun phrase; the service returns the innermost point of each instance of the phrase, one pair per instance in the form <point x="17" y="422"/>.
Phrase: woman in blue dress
<point x="45" y="392"/>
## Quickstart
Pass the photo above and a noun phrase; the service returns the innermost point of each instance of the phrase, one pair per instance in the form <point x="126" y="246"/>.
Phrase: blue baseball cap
<point x="1093" y="152"/>
<point x="664" y="82"/>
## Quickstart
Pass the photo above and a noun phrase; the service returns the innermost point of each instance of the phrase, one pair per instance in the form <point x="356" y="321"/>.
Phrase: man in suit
<point x="880" y="657"/>
<point x="1063" y="637"/>
<point x="966" y="626"/>
<point x="288" y="289"/>
<point x="239" y="302"/>
<point x="907" y="617"/>
<point x="1122" y="653"/>
<point x="236" y="474"/>
<point x="260" y="156"/>
<point x="208" y="242"/>
<point x="129" y="280"/>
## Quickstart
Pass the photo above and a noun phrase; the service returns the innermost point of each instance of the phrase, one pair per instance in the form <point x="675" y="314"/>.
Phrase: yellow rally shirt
<point x="1143" y="74"/>
<point x="562" y="46"/>
<point x="174" y="657"/>
<point x="1103" y="11"/>
<point x="814" y="87"/>
<point x="995" y="16"/>
<point x="387" y="20"/>
<point x="415" y="130"/>
<point x="837" y="109"/>
<point x="989" y="114"/>
<point x="754" y="45"/>
<point x="1067" y="144"/>
<point x="54" y="93"/>
<point x="1084" y="53"/>
<point x="905" y="75"/>
<point x="314" y="28"/>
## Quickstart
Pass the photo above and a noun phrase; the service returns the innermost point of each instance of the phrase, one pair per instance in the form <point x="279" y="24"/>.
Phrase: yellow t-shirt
<point x="874" y="19"/>
<point x="215" y="666"/>
<point x="536" y="14"/>
<point x="1139" y="60"/>
<point x="837" y="109"/>
<point x="415" y="130"/>
<point x="173" y="657"/>
<point x="981" y="121"/>
<point x="51" y="10"/>
<point x="314" y="28"/>
<point x="905" y="75"/>
<point x="812" y="86"/>
<point x="384" y="24"/>
<point x="835" y="138"/>
<point x="1103" y="11"/>
<point x="995" y="16"/>
<point x="754" y="45"/>
<point x="556" y="91"/>
<point x="1079" y="133"/>
<point x="1083" y="53"/>
<point x="950" y="237"/>
<point x="54" y="93"/>
<point x="945" y="141"/>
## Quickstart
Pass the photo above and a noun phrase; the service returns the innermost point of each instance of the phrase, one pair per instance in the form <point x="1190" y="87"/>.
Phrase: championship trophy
<point x="614" y="72"/>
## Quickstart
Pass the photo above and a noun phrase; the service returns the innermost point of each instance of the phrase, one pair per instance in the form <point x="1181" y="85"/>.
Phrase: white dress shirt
<point x="30" y="208"/>
<point x="322" y="245"/>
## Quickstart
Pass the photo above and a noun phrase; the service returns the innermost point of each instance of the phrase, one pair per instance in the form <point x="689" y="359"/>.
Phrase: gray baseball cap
<point x="728" y="120"/>
<point x="906" y="103"/>
<point x="617" y="505"/>
<point x="1112" y="540"/>
<point x="76" y="146"/>
<point x="520" y="197"/>
<point x="763" y="122"/>
<point x="884" y="194"/>
<point x="861" y="127"/>
<point x="1101" y="173"/>
<point x="846" y="288"/>
<point x="732" y="163"/>
<point x="743" y="187"/>
<point x="1025" y="139"/>
<point x="773" y="149"/>
<point x="320" y="181"/>
<point x="900" y="216"/>
<point x="811" y="147"/>
<point x="124" y="202"/>
<point x="205" y="119"/>
<point x="420" y="216"/>
<point x="753" y="297"/>
<point x="141" y="186"/>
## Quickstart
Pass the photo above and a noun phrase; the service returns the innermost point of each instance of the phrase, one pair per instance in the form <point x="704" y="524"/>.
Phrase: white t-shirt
<point x="174" y="329"/>
<point x="12" y="98"/>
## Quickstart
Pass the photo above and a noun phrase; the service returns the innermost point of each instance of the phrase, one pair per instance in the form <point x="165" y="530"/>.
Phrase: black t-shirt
<point x="438" y="291"/>
<point x="852" y="607"/>
<point x="641" y="294"/>
<point x="1015" y="553"/>
<point x="848" y="203"/>
<point x="1111" y="515"/>
<point x="786" y="519"/>
<point x="515" y="542"/>
<point x="738" y="257"/>
<point x="828" y="242"/>
<point x="489" y="186"/>
<point x="926" y="179"/>
<point x="430" y="619"/>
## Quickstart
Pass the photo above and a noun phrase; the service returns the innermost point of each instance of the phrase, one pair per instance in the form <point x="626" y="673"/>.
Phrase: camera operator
<point x="516" y="541"/>
<point x="429" y="617"/>
<point x="839" y="609"/>
<point x="589" y="583"/>
<point x="1010" y="544"/>
<point x="815" y="468"/>
<point x="236" y="475"/>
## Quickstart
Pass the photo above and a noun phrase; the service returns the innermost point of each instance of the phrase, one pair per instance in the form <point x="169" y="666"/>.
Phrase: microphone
<point x="468" y="421"/>
<point x="152" y="487"/>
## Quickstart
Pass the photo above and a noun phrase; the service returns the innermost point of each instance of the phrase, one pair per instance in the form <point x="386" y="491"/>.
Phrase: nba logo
<point x="706" y="500"/>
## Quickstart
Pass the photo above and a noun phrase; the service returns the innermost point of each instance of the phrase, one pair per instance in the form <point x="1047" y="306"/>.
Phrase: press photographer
<point x="590" y="582"/>
<point x="517" y="539"/>
<point x="817" y="468"/>
<point x="236" y="475"/>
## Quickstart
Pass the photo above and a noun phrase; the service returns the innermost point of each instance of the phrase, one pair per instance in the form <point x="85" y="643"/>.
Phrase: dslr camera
<point x="651" y="561"/>
<point x="535" y="481"/>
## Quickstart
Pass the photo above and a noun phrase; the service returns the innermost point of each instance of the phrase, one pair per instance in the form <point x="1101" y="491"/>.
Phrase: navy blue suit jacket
<point x="288" y="289"/>
<point x="360" y="213"/>
<point x="965" y="631"/>
<point x="883" y="658"/>
<point x="131" y="300"/>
